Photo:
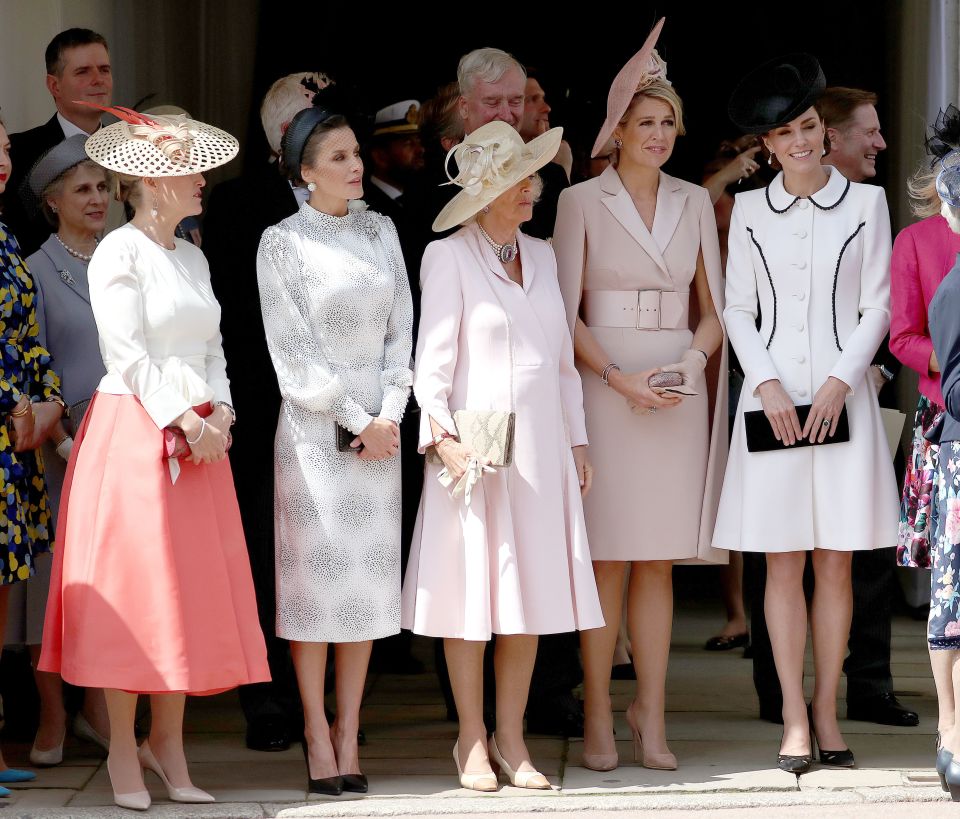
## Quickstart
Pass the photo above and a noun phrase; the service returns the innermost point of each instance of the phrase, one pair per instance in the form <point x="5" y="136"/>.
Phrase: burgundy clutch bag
<point x="175" y="442"/>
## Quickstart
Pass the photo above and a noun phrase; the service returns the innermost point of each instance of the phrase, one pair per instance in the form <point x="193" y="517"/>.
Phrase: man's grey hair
<point x="485" y="65"/>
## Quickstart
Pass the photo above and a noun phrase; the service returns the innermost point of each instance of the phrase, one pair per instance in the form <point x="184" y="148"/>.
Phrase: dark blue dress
<point x="26" y="528"/>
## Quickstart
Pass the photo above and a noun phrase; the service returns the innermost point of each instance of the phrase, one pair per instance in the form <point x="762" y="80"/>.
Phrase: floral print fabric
<point x="943" y="627"/>
<point x="25" y="517"/>
<point x="918" y="501"/>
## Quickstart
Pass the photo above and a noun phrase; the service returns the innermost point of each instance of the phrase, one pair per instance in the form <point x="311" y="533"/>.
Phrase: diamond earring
<point x="486" y="209"/>
<point x="618" y="143"/>
<point x="311" y="186"/>
<point x="156" y="206"/>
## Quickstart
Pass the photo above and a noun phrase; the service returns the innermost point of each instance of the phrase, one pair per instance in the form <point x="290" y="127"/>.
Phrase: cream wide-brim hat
<point x="492" y="160"/>
<point x="172" y="146"/>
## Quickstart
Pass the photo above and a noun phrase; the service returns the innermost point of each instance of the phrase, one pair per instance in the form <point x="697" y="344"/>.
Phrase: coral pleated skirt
<point x="151" y="589"/>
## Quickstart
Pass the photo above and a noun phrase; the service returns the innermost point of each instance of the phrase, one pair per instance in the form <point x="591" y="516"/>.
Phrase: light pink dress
<point x="516" y="560"/>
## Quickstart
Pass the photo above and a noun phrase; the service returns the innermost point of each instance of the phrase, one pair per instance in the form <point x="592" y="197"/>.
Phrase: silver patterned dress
<point x="338" y="319"/>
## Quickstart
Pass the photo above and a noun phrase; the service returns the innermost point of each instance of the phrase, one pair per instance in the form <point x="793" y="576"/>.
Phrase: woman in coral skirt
<point x="151" y="590"/>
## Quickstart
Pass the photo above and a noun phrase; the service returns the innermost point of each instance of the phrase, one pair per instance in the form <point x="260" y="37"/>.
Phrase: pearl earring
<point x="771" y="158"/>
<point x="54" y="208"/>
<point x="156" y="206"/>
<point x="823" y="152"/>
<point x="311" y="186"/>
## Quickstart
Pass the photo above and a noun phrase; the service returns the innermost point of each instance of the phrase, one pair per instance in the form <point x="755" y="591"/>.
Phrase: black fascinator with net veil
<point x="945" y="136"/>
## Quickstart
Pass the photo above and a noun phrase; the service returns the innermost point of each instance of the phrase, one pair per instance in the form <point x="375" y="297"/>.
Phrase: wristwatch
<point x="443" y="436"/>
<point x="56" y="399"/>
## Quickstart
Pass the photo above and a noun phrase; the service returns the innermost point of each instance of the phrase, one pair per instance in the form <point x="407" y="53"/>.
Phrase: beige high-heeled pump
<point x="519" y="779"/>
<point x="656" y="762"/>
<point x="190" y="795"/>
<point x="135" y="800"/>
<point x="484" y="782"/>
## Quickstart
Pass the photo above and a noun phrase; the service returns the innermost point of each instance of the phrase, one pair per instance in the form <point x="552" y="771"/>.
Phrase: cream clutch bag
<point x="489" y="433"/>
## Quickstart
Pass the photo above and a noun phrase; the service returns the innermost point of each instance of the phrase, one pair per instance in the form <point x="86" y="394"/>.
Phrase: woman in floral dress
<point x="30" y="406"/>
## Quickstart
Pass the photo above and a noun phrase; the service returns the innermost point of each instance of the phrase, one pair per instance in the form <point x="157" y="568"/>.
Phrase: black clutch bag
<point x="760" y="437"/>
<point x="344" y="439"/>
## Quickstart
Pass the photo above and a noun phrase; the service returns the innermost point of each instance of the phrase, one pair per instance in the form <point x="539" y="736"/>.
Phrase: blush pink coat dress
<point x="516" y="560"/>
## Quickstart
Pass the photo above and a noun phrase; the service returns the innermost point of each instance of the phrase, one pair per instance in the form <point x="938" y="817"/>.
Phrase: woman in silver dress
<point x="338" y="317"/>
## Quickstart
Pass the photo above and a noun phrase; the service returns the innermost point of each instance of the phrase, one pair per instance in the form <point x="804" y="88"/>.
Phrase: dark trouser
<point x="253" y="476"/>
<point x="868" y="665"/>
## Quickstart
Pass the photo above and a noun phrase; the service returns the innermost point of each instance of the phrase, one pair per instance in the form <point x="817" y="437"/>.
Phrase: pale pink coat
<point x="516" y="560"/>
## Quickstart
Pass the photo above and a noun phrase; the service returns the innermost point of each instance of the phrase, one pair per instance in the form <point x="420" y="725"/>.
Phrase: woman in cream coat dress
<point x="811" y="255"/>
<point x="639" y="266"/>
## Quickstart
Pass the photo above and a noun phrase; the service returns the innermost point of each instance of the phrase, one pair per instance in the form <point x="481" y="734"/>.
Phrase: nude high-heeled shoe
<point x="656" y="762"/>
<point x="190" y="795"/>
<point x="485" y="782"/>
<point x="50" y="757"/>
<point x="135" y="800"/>
<point x="519" y="779"/>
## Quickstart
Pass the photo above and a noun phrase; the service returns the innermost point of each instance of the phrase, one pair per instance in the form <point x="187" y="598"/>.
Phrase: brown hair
<point x="311" y="147"/>
<point x="65" y="40"/>
<point x="837" y="104"/>
<point x="658" y="90"/>
<point x="128" y="190"/>
<point x="440" y="118"/>
<point x="922" y="189"/>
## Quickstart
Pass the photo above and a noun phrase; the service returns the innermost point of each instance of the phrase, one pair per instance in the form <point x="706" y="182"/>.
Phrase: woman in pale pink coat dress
<point x="510" y="557"/>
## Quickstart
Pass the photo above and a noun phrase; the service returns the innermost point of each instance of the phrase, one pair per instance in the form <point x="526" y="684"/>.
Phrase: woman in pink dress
<point x="502" y="551"/>
<point x="151" y="589"/>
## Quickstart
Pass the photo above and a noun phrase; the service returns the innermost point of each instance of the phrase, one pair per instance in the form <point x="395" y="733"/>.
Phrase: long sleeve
<point x="441" y="311"/>
<point x="861" y="345"/>
<point x="303" y="371"/>
<point x="569" y="244"/>
<point x="742" y="306"/>
<point x="571" y="395"/>
<point x="216" y="364"/>
<point x="117" y="300"/>
<point x="397" y="377"/>
<point x="945" y="338"/>
<point x="909" y="335"/>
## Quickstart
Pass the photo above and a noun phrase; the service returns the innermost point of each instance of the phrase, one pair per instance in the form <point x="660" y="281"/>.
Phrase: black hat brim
<point x="776" y="92"/>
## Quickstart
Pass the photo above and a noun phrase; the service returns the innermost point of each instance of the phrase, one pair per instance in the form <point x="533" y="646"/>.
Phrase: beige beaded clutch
<point x="489" y="433"/>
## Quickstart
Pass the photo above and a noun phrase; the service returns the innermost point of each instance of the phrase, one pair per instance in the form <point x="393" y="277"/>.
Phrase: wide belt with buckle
<point x="640" y="309"/>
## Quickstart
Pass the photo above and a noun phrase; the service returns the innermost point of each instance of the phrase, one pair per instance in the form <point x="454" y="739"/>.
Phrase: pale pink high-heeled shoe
<point x="134" y="800"/>
<point x="191" y="795"/>
<point x="656" y="762"/>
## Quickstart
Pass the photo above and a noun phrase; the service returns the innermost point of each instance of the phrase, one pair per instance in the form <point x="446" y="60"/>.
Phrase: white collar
<point x="828" y="197"/>
<point x="69" y="129"/>
<point x="386" y="187"/>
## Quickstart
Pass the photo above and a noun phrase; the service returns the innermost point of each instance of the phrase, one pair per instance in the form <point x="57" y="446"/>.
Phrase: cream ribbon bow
<point x="471" y="476"/>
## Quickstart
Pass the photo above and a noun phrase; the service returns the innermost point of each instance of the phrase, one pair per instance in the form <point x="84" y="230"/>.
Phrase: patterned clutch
<point x="489" y="433"/>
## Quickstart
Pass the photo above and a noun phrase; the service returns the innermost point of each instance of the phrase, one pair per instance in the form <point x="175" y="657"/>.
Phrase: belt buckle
<point x="648" y="303"/>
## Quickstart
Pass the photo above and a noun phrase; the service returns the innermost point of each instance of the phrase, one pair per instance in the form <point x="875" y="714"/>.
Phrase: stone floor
<point x="726" y="756"/>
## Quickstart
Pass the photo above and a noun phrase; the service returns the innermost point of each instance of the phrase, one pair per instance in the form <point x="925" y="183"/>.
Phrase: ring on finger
<point x="651" y="410"/>
<point x="825" y="422"/>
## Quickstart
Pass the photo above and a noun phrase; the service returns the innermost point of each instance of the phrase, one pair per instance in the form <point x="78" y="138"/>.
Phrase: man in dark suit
<point x="78" y="68"/>
<point x="239" y="211"/>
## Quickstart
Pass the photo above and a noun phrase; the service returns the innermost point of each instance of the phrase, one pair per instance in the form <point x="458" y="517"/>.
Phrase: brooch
<point x="67" y="278"/>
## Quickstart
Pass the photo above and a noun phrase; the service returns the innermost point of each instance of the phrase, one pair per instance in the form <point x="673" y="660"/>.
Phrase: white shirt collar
<point x="386" y="187"/>
<point x="828" y="197"/>
<point x="69" y="129"/>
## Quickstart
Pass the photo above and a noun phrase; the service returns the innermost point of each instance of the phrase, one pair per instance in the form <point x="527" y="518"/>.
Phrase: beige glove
<point x="689" y="366"/>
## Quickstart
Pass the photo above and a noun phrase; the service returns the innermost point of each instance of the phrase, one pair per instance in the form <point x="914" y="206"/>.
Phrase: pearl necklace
<point x="83" y="257"/>
<point x="505" y="253"/>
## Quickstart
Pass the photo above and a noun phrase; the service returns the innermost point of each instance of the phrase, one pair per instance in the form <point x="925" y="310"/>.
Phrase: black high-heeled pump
<point x="834" y="759"/>
<point x="951" y="777"/>
<point x="354" y="783"/>
<point x="326" y="786"/>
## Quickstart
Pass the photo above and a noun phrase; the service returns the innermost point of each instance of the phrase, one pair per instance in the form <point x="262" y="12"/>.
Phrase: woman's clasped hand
<point x="379" y="440"/>
<point x="208" y="438"/>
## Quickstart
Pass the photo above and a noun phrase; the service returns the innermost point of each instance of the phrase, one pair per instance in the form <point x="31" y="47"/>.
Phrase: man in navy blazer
<point x="78" y="68"/>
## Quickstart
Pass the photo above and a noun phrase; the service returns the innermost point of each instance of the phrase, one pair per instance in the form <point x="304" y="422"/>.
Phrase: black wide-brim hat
<point x="776" y="92"/>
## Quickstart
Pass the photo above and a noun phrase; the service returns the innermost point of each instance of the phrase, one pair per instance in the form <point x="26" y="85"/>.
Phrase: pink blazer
<point x="923" y="254"/>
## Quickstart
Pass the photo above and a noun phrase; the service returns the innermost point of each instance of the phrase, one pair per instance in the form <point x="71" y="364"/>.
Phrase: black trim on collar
<point x="766" y="193"/>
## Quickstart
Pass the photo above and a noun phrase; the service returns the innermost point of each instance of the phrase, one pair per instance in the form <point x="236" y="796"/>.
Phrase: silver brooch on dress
<point x="67" y="277"/>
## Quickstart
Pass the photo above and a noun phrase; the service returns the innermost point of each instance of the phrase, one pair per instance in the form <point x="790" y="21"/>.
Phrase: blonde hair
<point x="922" y="190"/>
<point x="128" y="189"/>
<point x="658" y="89"/>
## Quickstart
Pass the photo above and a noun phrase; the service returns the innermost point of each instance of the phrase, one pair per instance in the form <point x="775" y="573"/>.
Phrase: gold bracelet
<point x="21" y="412"/>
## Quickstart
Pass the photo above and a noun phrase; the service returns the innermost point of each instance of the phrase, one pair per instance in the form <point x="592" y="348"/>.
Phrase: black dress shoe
<point x="560" y="717"/>
<point x="794" y="764"/>
<point x="883" y="709"/>
<point x="834" y="759"/>
<point x="268" y="734"/>
<point x="354" y="783"/>
<point x="720" y="643"/>
<point x="325" y="786"/>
